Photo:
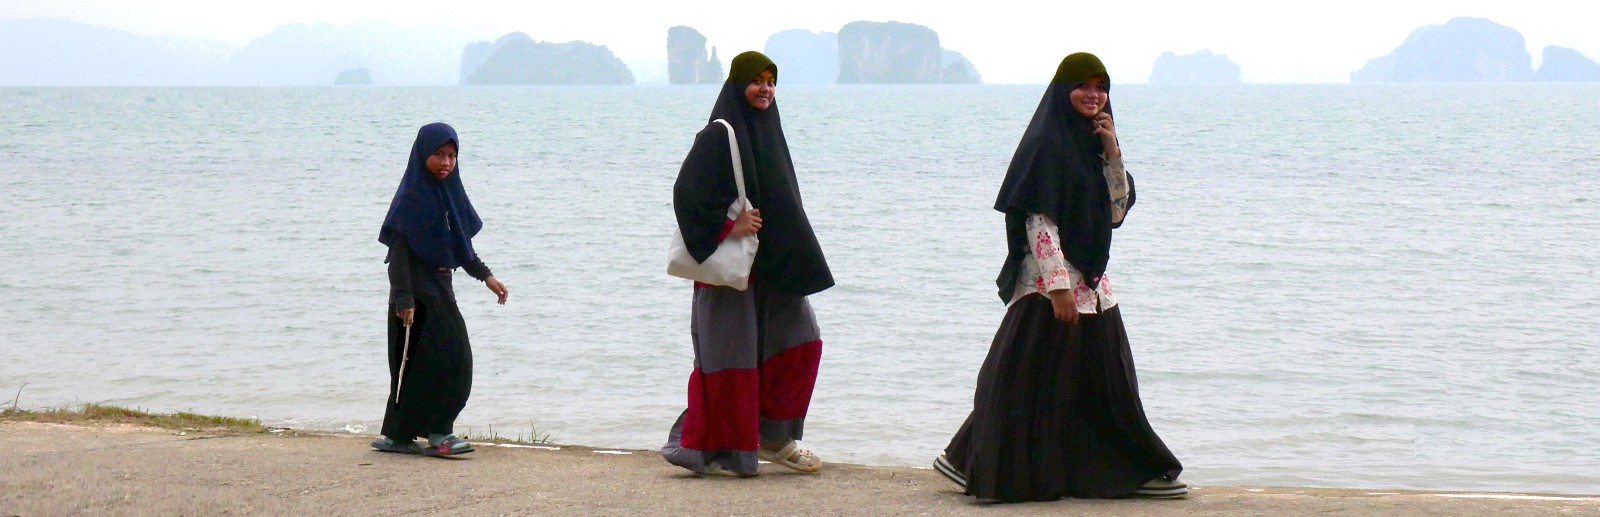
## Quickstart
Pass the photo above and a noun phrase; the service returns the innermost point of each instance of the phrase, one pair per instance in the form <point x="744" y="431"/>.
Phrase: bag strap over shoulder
<point x="738" y="165"/>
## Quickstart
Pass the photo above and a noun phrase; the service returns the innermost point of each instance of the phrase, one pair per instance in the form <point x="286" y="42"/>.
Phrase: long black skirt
<point x="1057" y="412"/>
<point x="438" y="378"/>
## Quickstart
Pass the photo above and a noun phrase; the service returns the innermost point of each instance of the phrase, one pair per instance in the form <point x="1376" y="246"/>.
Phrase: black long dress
<point x="438" y="378"/>
<point x="1057" y="413"/>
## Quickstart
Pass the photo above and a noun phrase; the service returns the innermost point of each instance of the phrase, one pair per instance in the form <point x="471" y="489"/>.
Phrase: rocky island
<point x="898" y="53"/>
<point x="1201" y="67"/>
<point x="354" y="77"/>
<point x="516" y="59"/>
<point x="686" y="58"/>
<point x="1463" y="50"/>
<point x="1561" y="64"/>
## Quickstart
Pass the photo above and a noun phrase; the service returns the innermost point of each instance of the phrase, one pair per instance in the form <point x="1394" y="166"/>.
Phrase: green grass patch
<point x="533" y="437"/>
<point x="104" y="413"/>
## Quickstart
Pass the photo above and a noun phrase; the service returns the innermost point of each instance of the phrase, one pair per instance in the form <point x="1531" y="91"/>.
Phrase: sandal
<point x="387" y="445"/>
<point x="448" y="446"/>
<point x="792" y="456"/>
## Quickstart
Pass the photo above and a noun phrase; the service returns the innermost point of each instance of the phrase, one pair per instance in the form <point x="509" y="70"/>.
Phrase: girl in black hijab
<point x="1057" y="411"/>
<point x="757" y="350"/>
<point x="429" y="233"/>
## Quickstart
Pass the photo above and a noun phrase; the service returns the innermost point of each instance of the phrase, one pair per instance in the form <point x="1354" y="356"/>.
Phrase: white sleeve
<point x="1117" y="187"/>
<point x="1051" y="263"/>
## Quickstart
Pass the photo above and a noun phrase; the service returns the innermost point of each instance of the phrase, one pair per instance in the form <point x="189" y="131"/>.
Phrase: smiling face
<point x="762" y="91"/>
<point x="1091" y="97"/>
<point x="442" y="161"/>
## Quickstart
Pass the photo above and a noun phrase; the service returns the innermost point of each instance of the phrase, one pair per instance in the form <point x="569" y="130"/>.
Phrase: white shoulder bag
<point x="730" y="265"/>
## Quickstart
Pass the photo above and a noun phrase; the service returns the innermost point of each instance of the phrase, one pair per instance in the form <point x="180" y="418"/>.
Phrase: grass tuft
<point x="533" y="437"/>
<point x="92" y="413"/>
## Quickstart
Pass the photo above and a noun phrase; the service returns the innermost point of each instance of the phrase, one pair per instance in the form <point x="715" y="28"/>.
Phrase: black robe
<point x="438" y="377"/>
<point x="789" y="260"/>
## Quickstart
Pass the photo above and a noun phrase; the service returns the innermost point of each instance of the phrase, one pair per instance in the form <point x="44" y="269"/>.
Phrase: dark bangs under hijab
<point x="1057" y="171"/>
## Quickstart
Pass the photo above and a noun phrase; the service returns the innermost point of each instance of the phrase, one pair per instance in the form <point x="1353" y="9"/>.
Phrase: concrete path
<point x="53" y="469"/>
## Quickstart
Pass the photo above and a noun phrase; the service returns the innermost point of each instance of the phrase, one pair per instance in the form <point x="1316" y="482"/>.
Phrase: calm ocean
<point x="1346" y="286"/>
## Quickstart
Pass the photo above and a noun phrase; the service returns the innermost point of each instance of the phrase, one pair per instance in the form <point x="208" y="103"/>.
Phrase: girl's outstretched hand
<point x="498" y="288"/>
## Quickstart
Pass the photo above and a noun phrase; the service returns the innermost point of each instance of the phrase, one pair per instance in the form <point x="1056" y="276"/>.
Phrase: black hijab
<point x="1058" y="171"/>
<point x="434" y="215"/>
<point x="790" y="259"/>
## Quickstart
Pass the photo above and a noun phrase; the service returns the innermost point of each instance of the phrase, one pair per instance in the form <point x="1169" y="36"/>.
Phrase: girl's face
<point x="762" y="90"/>
<point x="442" y="161"/>
<point x="1091" y="97"/>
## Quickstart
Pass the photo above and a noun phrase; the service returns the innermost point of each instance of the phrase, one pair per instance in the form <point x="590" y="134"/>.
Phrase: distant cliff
<point x="310" y="53"/>
<point x="53" y="52"/>
<point x="518" y="59"/>
<point x="894" y="52"/>
<point x="957" y="69"/>
<point x="476" y="54"/>
<point x="804" y="57"/>
<point x="1561" y="64"/>
<point x="686" y="58"/>
<point x="1201" y="67"/>
<point x="354" y="77"/>
<point x="60" y="52"/>
<point x="1465" y="50"/>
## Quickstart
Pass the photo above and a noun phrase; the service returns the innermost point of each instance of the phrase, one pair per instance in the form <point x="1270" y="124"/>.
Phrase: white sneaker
<point x="1162" y="488"/>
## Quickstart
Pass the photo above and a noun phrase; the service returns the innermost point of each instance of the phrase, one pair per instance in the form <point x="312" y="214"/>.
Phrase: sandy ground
<point x="52" y="469"/>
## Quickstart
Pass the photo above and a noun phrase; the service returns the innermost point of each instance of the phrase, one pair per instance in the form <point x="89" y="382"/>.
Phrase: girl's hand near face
<point x="749" y="222"/>
<point x="1107" y="130"/>
<point x="498" y="288"/>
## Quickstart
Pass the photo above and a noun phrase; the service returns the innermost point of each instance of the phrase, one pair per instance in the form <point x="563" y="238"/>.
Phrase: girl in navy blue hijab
<point x="429" y="233"/>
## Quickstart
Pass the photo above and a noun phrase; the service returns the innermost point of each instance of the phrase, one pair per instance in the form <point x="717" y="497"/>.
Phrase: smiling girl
<point x="1056" y="412"/>
<point x="756" y="351"/>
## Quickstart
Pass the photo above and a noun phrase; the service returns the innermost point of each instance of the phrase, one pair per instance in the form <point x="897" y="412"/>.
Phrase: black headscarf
<point x="434" y="215"/>
<point x="1058" y="171"/>
<point x="790" y="259"/>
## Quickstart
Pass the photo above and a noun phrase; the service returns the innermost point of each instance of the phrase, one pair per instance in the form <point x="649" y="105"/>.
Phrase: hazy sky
<point x="1009" y="41"/>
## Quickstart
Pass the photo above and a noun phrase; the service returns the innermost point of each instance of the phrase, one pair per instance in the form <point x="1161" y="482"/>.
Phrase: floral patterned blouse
<point x="1046" y="268"/>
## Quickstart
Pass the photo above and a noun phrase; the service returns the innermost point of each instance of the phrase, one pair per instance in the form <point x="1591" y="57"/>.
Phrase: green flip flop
<point x="449" y="446"/>
<point x="387" y="445"/>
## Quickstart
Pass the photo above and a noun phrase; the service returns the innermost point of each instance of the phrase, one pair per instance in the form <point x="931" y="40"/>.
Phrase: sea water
<point x="1346" y="286"/>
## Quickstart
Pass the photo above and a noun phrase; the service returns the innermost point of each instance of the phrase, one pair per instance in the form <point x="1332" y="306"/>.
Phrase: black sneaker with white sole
<point x="949" y="471"/>
<point x="1162" y="488"/>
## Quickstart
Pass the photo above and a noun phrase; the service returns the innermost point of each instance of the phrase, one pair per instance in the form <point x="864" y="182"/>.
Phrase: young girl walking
<point x="429" y="233"/>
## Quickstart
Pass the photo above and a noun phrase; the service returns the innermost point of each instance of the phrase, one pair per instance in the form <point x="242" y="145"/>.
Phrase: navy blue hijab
<point x="434" y="215"/>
